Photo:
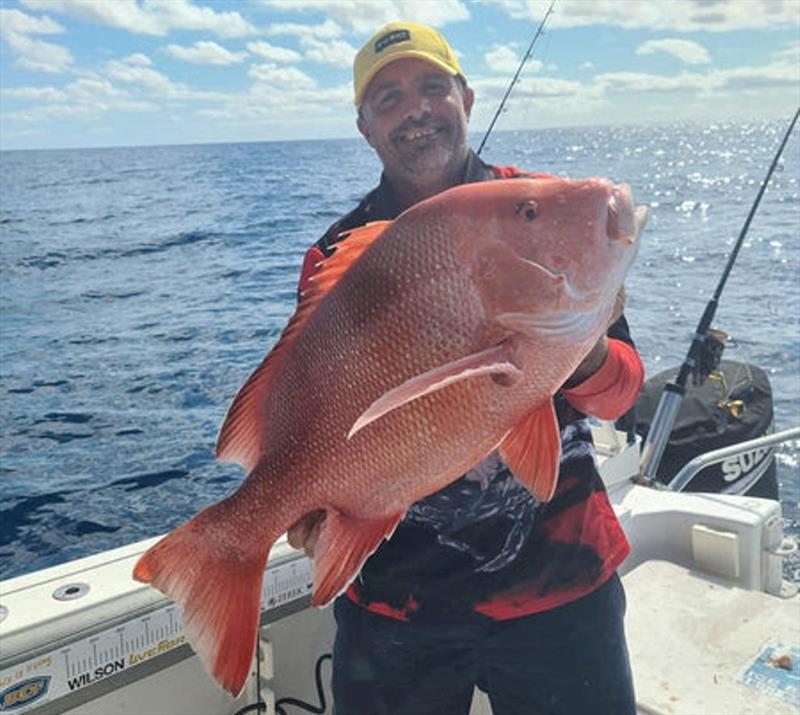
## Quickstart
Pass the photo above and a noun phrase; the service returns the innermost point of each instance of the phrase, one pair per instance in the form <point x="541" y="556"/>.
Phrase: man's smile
<point x="417" y="136"/>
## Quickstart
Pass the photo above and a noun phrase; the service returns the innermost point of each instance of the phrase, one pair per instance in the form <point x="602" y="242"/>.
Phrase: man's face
<point x="415" y="117"/>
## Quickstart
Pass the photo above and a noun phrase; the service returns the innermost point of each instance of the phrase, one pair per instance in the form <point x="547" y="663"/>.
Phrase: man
<point x="480" y="584"/>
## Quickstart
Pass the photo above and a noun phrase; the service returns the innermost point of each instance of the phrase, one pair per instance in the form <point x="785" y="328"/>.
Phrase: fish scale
<point x="422" y="345"/>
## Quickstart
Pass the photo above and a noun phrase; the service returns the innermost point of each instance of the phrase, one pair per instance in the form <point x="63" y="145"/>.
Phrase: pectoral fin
<point x="532" y="451"/>
<point x="493" y="361"/>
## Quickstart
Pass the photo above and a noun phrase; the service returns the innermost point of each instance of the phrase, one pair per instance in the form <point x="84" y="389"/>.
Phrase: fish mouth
<point x="624" y="221"/>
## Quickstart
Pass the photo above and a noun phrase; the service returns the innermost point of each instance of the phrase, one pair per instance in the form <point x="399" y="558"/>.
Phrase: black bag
<point x="716" y="414"/>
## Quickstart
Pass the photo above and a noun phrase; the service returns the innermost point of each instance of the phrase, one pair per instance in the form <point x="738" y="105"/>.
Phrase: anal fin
<point x="343" y="546"/>
<point x="532" y="451"/>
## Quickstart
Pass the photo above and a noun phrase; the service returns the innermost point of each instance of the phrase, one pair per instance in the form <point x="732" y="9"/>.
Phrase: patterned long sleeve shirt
<point x="484" y="543"/>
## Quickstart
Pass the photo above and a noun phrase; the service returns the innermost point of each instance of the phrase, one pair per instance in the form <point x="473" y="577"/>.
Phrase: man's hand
<point x="303" y="534"/>
<point x="592" y="362"/>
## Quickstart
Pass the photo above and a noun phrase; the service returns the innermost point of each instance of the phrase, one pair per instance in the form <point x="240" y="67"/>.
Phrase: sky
<point x="92" y="73"/>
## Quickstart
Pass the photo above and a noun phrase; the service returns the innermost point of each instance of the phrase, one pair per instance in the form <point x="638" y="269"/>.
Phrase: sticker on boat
<point x="25" y="693"/>
<point x="776" y="671"/>
<point x="81" y="663"/>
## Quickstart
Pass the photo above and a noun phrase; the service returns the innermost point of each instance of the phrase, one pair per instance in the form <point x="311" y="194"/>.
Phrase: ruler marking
<point x="83" y="657"/>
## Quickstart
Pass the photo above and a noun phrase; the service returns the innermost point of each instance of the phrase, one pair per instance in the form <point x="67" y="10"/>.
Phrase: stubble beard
<point x="431" y="161"/>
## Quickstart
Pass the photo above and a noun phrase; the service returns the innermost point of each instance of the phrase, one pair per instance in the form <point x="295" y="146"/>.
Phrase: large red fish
<point x="423" y="344"/>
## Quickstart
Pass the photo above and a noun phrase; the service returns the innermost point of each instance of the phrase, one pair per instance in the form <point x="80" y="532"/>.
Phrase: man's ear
<point x="469" y="98"/>
<point x="363" y="128"/>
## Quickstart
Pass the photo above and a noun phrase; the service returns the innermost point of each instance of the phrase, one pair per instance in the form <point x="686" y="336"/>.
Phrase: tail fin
<point x="217" y="581"/>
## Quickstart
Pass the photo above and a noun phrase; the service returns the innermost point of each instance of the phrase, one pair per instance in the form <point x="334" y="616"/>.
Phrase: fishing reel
<point x="706" y="363"/>
<point x="707" y="368"/>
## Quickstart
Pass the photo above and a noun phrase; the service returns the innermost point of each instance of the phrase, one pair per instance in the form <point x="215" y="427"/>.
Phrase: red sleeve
<point x="611" y="391"/>
<point x="312" y="258"/>
<point x="511" y="172"/>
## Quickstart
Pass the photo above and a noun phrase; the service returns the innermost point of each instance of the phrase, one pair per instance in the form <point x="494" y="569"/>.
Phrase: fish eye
<point x="530" y="209"/>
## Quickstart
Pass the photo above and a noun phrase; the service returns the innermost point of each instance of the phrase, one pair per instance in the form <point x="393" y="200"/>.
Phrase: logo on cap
<point x="391" y="38"/>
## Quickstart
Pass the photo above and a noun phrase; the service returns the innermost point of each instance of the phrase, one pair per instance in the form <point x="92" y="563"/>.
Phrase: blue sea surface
<point x="140" y="286"/>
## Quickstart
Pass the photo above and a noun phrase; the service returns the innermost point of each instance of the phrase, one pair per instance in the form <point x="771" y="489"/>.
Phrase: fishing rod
<point x="525" y="58"/>
<point x="673" y="393"/>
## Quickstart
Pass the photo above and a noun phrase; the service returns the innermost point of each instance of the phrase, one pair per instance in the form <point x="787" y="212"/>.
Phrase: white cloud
<point x="320" y="43"/>
<point x="149" y="17"/>
<point x="38" y="55"/>
<point x="777" y="74"/>
<point x="15" y="28"/>
<point x="282" y="77"/>
<point x="546" y="87"/>
<point x="608" y="97"/>
<point x="265" y="108"/>
<point x="135" y="73"/>
<point x="330" y="52"/>
<point x="692" y="53"/>
<point x="137" y="58"/>
<point x="40" y="94"/>
<point x="615" y="82"/>
<point x="502" y="58"/>
<point x="182" y="14"/>
<point x="790" y="52"/>
<point x="89" y="89"/>
<point x="15" y="21"/>
<point x="125" y="14"/>
<point x="783" y="74"/>
<point x="87" y="97"/>
<point x="366" y="17"/>
<point x="131" y="71"/>
<point x="326" y="30"/>
<point x="586" y="66"/>
<point x="205" y="52"/>
<point x="273" y="53"/>
<point x="682" y="15"/>
<point x="490" y="89"/>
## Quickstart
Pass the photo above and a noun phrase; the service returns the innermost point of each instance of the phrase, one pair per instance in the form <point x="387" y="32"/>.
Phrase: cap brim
<point x="404" y="54"/>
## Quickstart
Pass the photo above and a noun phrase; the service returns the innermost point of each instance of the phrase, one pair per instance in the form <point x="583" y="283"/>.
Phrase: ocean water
<point x="140" y="286"/>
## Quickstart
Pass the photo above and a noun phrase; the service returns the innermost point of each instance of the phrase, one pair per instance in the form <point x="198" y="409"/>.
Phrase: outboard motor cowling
<point x="733" y="405"/>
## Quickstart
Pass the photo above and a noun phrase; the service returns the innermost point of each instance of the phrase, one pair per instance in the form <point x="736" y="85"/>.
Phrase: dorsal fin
<point x="346" y="252"/>
<point x="239" y="438"/>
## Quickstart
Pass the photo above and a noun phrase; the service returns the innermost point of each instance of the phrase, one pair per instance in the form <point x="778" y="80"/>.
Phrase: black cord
<point x="316" y="709"/>
<point x="259" y="706"/>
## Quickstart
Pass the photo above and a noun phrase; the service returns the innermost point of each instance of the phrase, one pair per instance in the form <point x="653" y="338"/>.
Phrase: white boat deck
<point x="712" y="628"/>
<point x="700" y="644"/>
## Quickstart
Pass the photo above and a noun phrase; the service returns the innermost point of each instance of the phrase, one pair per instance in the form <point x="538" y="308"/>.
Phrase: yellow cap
<point x="396" y="41"/>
